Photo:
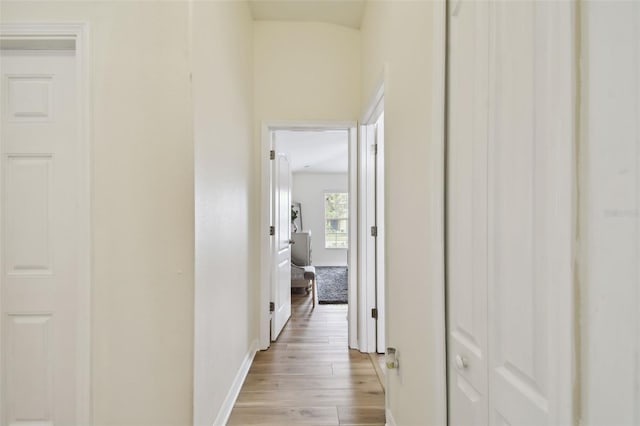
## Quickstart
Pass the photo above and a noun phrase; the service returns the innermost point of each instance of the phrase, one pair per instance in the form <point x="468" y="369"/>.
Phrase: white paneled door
<point x="467" y="213"/>
<point x="510" y="216"/>
<point x="281" y="278"/>
<point x="38" y="236"/>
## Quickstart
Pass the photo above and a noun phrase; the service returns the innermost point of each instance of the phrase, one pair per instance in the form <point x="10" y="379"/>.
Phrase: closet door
<point x="467" y="212"/>
<point x="530" y="212"/>
<point x="510" y="220"/>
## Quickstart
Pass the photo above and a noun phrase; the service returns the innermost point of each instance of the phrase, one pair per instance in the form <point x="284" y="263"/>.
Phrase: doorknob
<point x="461" y="362"/>
<point x="391" y="358"/>
<point x="291" y="242"/>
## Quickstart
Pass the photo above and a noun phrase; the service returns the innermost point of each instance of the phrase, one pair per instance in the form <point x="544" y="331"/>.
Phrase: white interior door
<point x="510" y="213"/>
<point x="38" y="237"/>
<point x="467" y="213"/>
<point x="281" y="278"/>
<point x="371" y="198"/>
<point x="530" y="212"/>
<point x="367" y="248"/>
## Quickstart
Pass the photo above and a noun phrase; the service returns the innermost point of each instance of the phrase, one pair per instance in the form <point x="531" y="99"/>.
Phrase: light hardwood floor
<point x="310" y="377"/>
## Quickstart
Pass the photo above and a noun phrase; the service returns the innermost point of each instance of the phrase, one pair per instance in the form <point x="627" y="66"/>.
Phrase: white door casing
<point x="367" y="267"/>
<point x="520" y="212"/>
<point x="43" y="189"/>
<point x="609" y="211"/>
<point x="371" y="213"/>
<point x="281" y="286"/>
<point x="353" y="251"/>
<point x="380" y="238"/>
<point x="267" y="220"/>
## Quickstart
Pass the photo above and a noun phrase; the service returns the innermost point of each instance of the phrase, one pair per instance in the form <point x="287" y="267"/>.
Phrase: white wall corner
<point x="390" y="420"/>
<point x="438" y="179"/>
<point x="234" y="390"/>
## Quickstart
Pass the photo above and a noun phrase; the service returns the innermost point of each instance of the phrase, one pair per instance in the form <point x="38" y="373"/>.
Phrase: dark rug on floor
<point x="331" y="283"/>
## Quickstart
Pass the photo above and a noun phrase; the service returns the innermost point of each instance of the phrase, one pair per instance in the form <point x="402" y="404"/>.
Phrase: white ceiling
<point x="315" y="151"/>
<point x="340" y="12"/>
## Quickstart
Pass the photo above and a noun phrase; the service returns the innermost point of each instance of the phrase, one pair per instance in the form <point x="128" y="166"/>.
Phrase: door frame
<point x="266" y="145"/>
<point x="52" y="36"/>
<point x="367" y="330"/>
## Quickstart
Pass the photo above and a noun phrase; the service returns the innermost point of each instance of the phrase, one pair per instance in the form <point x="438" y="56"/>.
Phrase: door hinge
<point x="374" y="313"/>
<point x="272" y="230"/>
<point x="272" y="155"/>
<point x="272" y="306"/>
<point x="374" y="231"/>
<point x="375" y="149"/>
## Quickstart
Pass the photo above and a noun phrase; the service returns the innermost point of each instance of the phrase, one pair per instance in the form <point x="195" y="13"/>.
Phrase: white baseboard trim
<point x="390" y="419"/>
<point x="234" y="391"/>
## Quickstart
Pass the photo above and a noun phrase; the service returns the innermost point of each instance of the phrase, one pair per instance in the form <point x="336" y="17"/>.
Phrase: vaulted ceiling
<point x="340" y="12"/>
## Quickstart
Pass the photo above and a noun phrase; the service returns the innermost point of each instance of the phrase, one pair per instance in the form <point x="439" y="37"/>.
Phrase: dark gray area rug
<point x="332" y="284"/>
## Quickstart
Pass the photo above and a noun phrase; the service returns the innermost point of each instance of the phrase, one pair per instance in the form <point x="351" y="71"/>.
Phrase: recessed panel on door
<point x="467" y="213"/>
<point x="522" y="216"/>
<point x="27" y="211"/>
<point x="30" y="98"/>
<point x="29" y="367"/>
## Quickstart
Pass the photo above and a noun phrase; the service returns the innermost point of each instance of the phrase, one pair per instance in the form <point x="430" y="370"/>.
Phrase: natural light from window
<point x="336" y="220"/>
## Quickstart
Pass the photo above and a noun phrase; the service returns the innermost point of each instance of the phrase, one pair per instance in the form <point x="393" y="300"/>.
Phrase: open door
<point x="379" y="236"/>
<point x="372" y="232"/>
<point x="281" y="267"/>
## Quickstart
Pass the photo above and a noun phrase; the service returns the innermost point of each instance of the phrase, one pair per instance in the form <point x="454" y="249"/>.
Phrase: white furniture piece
<point x="303" y="274"/>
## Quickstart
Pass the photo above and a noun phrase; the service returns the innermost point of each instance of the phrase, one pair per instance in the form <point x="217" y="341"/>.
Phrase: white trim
<point x="265" y="221"/>
<point x="366" y="325"/>
<point x="367" y="300"/>
<point x="78" y="32"/>
<point x="637" y="168"/>
<point x="376" y="104"/>
<point x="236" y="386"/>
<point x="390" y="420"/>
<point x="353" y="250"/>
<point x="436" y="169"/>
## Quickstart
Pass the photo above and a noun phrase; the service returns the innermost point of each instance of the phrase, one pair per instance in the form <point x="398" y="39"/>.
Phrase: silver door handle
<point x="461" y="362"/>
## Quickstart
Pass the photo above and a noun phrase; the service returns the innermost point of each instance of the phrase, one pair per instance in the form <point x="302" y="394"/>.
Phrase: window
<point x="336" y="220"/>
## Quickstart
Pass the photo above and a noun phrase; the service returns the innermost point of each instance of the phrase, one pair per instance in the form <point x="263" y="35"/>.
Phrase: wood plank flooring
<point x="310" y="377"/>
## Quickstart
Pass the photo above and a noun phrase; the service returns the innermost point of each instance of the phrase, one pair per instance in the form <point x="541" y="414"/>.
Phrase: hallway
<point x="309" y="377"/>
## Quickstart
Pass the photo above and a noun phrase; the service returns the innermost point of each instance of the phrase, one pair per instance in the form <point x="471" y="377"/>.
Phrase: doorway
<point x="331" y="245"/>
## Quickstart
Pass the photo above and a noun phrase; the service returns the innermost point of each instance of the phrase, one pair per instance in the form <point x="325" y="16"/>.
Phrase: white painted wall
<point x="308" y="190"/>
<point x="305" y="71"/>
<point x="142" y="325"/>
<point x="400" y="35"/>
<point x="609" y="232"/>
<point x="224" y="292"/>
